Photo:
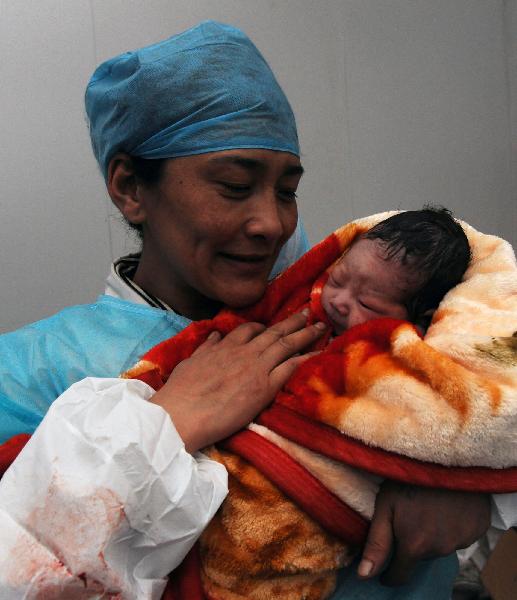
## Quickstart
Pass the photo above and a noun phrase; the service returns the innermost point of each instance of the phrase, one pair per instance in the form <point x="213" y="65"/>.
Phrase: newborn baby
<point x="401" y="268"/>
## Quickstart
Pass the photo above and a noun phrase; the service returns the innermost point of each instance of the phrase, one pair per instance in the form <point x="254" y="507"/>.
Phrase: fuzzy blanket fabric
<point x="377" y="402"/>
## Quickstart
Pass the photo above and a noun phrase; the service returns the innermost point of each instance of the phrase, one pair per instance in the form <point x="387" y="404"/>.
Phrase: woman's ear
<point x="123" y="188"/>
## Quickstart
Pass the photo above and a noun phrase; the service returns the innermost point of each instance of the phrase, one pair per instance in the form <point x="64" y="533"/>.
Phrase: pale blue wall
<point x="399" y="102"/>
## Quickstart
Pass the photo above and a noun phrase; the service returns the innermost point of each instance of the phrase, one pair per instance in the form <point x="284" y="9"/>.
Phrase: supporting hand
<point x="414" y="523"/>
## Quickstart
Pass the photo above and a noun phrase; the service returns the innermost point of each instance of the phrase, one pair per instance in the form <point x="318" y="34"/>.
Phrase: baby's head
<point x="400" y="268"/>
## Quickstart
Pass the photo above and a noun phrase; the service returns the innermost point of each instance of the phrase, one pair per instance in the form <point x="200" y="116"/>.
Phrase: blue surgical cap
<point x="203" y="90"/>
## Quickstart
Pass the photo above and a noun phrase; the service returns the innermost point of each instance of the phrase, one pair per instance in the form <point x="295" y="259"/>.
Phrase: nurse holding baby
<point x="199" y="150"/>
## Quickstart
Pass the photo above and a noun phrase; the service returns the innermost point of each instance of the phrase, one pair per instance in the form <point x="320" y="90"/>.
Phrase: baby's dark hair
<point x="433" y="245"/>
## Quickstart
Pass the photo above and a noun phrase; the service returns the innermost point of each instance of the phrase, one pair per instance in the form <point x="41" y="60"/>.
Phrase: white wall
<point x="399" y="102"/>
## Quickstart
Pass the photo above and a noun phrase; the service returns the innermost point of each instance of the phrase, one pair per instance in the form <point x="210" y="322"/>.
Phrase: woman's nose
<point x="266" y="220"/>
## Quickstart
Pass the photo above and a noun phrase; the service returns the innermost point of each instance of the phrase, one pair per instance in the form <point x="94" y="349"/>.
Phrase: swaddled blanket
<point x="378" y="401"/>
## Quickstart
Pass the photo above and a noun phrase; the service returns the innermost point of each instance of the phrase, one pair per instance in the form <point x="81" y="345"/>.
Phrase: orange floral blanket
<point x="378" y="402"/>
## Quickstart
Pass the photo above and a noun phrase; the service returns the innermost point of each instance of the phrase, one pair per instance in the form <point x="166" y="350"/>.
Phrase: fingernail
<point x="305" y="312"/>
<point x="365" y="568"/>
<point x="320" y="325"/>
<point x="213" y="335"/>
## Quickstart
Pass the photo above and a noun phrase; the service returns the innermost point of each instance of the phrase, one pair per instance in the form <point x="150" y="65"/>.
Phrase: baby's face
<point x="364" y="285"/>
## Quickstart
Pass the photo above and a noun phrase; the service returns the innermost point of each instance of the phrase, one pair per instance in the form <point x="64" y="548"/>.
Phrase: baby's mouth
<point x="337" y="325"/>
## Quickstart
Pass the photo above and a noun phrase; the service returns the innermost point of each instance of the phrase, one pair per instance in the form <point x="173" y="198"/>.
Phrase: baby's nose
<point x="341" y="306"/>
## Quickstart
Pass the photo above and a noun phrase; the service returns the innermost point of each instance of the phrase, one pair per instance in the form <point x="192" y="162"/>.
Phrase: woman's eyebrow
<point x="294" y="170"/>
<point x="253" y="164"/>
<point x="241" y="161"/>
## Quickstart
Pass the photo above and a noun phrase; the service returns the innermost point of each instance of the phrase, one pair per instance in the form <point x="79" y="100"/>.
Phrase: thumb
<point x="378" y="543"/>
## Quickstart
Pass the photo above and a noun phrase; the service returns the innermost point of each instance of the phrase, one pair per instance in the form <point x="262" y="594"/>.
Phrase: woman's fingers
<point x="273" y="344"/>
<point x="280" y="374"/>
<point x="280" y="331"/>
<point x="213" y="338"/>
<point x="380" y="542"/>
<point x="287" y="346"/>
<point x="244" y="333"/>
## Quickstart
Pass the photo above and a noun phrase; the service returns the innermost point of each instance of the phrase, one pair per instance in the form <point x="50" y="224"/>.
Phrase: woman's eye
<point x="288" y="195"/>
<point x="234" y="189"/>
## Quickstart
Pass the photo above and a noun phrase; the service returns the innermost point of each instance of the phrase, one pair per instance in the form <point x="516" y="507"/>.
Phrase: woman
<point x="199" y="150"/>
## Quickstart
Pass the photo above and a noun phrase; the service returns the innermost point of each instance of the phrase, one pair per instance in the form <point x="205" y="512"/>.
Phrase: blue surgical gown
<point x="40" y="361"/>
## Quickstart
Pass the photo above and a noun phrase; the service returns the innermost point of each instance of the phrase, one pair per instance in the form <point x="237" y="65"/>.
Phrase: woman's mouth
<point x="247" y="258"/>
<point x="247" y="262"/>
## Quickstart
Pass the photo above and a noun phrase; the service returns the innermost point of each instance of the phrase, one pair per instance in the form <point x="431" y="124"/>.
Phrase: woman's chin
<point x="243" y="296"/>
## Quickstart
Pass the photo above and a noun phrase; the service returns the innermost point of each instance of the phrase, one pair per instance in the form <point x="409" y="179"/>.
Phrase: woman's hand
<point x="228" y="381"/>
<point x="416" y="523"/>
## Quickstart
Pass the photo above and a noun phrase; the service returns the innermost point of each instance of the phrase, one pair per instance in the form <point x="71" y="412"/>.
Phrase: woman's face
<point x="214" y="226"/>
